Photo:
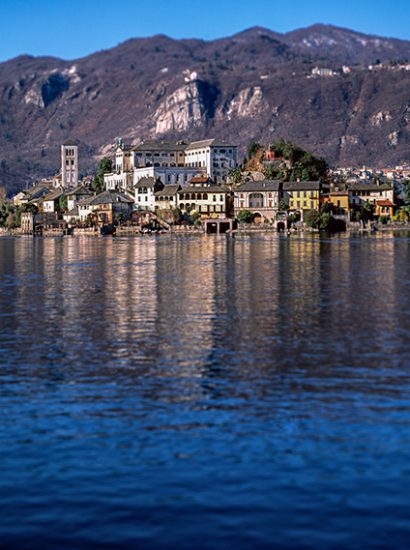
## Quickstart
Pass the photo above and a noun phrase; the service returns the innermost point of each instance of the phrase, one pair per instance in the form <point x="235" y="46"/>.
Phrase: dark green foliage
<point x="283" y="205"/>
<point x="177" y="215"/>
<point x="303" y="165"/>
<point x="406" y="190"/>
<point x="366" y="211"/>
<point x="245" y="216"/>
<point x="29" y="208"/>
<point x="270" y="172"/>
<point x="293" y="218"/>
<point x="235" y="175"/>
<point x="253" y="148"/>
<point x="104" y="167"/>
<point x="323" y="220"/>
<point x="312" y="219"/>
<point x="62" y="202"/>
<point x="119" y="218"/>
<point x="3" y="213"/>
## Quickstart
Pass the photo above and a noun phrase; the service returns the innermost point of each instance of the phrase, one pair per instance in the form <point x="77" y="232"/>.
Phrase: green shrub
<point x="313" y="219"/>
<point x="245" y="216"/>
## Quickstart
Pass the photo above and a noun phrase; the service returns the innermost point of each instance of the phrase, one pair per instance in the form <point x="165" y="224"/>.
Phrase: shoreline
<point x="130" y="232"/>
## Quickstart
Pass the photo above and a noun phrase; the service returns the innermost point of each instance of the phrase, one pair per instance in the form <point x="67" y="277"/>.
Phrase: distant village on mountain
<point x="340" y="94"/>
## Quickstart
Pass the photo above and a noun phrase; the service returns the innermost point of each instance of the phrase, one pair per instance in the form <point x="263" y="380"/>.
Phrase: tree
<point x="62" y="202"/>
<point x="119" y="218"/>
<point x="294" y="218"/>
<point x="304" y="165"/>
<point x="253" y="149"/>
<point x="29" y="208"/>
<point x="270" y="172"/>
<point x="12" y="221"/>
<point x="245" y="216"/>
<point x="283" y="205"/>
<point x="235" y="176"/>
<point x="312" y="219"/>
<point x="177" y="216"/>
<point x="366" y="211"/>
<point x="104" y="167"/>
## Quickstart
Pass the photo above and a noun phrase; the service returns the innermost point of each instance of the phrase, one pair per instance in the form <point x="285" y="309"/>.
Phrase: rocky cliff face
<point x="254" y="85"/>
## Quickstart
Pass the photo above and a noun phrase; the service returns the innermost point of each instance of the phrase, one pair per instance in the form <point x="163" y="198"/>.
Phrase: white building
<point x="159" y="153"/>
<point x="145" y="190"/>
<point x="205" y="198"/>
<point x="262" y="198"/>
<point x="122" y="175"/>
<point x="217" y="157"/>
<point x="173" y="163"/>
<point x="317" y="71"/>
<point x="50" y="202"/>
<point x="169" y="175"/>
<point x="370" y="192"/>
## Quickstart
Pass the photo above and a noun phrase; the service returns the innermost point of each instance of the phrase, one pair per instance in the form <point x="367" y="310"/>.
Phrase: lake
<point x="205" y="392"/>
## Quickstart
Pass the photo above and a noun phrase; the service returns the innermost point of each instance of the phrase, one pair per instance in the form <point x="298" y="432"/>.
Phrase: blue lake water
<point x="205" y="392"/>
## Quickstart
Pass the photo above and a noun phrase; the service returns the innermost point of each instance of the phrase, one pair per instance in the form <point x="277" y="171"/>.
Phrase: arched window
<point x="256" y="200"/>
<point x="205" y="196"/>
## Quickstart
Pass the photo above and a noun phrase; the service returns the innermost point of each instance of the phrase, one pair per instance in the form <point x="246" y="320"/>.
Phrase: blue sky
<point x="74" y="28"/>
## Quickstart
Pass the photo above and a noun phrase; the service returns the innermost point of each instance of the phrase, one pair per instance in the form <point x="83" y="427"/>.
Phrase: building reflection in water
<point x="183" y="307"/>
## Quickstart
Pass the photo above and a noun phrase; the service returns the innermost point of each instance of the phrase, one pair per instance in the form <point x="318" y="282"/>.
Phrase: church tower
<point x="69" y="164"/>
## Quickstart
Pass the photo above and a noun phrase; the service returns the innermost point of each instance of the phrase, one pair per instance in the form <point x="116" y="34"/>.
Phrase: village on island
<point x="178" y="186"/>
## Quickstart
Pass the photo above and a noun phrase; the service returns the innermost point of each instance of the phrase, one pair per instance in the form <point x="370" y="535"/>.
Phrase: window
<point x="304" y="194"/>
<point x="221" y="198"/>
<point x="298" y="204"/>
<point x="312" y="205"/>
<point x="214" y="198"/>
<point x="205" y="196"/>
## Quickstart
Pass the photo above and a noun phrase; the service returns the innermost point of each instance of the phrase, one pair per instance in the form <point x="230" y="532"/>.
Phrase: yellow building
<point x="339" y="201"/>
<point x="302" y="195"/>
<point x="385" y="208"/>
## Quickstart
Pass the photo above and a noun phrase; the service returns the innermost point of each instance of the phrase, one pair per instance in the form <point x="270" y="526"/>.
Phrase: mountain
<point x="346" y="46"/>
<point x="257" y="84"/>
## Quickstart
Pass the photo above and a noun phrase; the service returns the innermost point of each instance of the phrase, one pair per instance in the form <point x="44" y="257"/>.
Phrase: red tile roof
<point x="385" y="203"/>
